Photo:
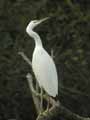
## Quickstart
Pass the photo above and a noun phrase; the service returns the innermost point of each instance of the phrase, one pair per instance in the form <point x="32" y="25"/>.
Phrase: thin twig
<point x="25" y="58"/>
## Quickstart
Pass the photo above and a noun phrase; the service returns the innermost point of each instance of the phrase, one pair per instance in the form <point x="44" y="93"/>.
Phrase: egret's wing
<point x="45" y="72"/>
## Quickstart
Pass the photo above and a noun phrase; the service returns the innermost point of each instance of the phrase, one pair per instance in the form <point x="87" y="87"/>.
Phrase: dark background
<point x="67" y="33"/>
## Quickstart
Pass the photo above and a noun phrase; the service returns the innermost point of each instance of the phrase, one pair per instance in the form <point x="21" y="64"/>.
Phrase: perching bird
<point x="42" y="63"/>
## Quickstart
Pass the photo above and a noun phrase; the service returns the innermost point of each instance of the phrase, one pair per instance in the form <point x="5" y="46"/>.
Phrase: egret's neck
<point x="36" y="37"/>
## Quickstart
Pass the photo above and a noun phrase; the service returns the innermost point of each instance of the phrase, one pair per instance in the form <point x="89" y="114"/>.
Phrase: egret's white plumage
<point x="42" y="63"/>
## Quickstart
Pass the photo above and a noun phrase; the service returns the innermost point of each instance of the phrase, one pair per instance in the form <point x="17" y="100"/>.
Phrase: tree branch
<point x="57" y="110"/>
<point x="25" y="58"/>
<point x="35" y="95"/>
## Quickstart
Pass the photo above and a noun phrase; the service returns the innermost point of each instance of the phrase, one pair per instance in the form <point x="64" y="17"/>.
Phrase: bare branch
<point x="56" y="110"/>
<point x="34" y="93"/>
<point x="25" y="58"/>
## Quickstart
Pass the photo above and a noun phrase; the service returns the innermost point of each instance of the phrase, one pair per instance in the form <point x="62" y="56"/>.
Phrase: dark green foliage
<point x="67" y="33"/>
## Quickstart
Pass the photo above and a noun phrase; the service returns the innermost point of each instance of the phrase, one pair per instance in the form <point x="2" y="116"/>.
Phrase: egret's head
<point x="34" y="23"/>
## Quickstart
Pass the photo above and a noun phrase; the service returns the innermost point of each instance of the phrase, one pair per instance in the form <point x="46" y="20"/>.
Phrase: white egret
<point x="42" y="63"/>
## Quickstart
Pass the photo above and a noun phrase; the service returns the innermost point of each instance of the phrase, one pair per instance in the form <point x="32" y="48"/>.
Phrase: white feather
<point x="45" y="71"/>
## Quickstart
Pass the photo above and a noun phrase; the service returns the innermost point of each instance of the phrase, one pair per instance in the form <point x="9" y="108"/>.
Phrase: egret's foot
<point x="46" y="112"/>
<point x="41" y="112"/>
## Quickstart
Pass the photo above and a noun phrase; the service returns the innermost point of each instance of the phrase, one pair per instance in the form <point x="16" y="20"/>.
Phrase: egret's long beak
<point x="42" y="20"/>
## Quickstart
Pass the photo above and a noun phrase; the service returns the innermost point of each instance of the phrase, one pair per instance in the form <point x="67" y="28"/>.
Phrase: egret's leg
<point x="48" y="104"/>
<point x="37" y="87"/>
<point x="41" y="104"/>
